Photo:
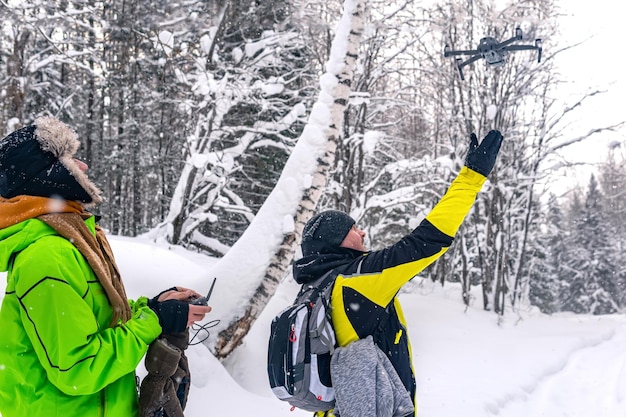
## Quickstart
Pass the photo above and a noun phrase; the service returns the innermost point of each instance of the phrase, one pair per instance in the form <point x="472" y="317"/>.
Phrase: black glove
<point x="155" y="299"/>
<point x="173" y="315"/>
<point x="481" y="158"/>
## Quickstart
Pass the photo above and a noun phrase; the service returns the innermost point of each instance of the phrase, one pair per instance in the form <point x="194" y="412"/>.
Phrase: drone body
<point x="492" y="51"/>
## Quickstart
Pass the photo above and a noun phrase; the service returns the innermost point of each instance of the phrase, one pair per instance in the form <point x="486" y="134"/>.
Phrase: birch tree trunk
<point x="321" y="135"/>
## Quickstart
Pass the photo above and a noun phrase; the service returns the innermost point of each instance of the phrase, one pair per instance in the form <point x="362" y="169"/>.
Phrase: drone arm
<point x="520" y="48"/>
<point x="516" y="37"/>
<point x="503" y="45"/>
<point x="448" y="53"/>
<point x="460" y="64"/>
<point x="536" y="46"/>
<point x="469" y="61"/>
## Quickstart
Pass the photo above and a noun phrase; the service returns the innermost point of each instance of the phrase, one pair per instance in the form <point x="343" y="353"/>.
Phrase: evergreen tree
<point x="546" y="259"/>
<point x="590" y="279"/>
<point x="612" y="179"/>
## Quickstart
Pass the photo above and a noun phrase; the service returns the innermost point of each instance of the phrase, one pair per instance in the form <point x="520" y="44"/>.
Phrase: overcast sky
<point x="598" y="63"/>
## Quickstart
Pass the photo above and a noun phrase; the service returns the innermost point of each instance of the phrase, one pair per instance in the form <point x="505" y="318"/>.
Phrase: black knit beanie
<point x="325" y="231"/>
<point x="37" y="160"/>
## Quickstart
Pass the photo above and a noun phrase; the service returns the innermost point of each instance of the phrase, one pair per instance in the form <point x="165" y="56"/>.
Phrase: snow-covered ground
<point x="468" y="363"/>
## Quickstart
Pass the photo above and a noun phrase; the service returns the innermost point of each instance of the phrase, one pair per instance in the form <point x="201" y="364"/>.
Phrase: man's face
<point x="355" y="239"/>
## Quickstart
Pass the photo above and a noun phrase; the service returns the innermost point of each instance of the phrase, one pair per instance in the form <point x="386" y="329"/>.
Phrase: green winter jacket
<point x="58" y="355"/>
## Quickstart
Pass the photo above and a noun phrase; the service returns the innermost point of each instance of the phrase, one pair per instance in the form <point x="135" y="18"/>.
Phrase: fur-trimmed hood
<point x="38" y="160"/>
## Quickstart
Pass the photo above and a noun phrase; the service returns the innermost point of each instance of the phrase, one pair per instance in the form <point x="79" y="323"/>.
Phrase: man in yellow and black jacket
<point x="364" y="298"/>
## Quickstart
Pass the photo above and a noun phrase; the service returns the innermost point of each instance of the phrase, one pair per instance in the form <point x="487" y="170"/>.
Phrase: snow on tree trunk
<point x="269" y="243"/>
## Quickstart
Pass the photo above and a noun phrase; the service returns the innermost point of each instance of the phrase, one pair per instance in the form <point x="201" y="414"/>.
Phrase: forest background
<point x="189" y="111"/>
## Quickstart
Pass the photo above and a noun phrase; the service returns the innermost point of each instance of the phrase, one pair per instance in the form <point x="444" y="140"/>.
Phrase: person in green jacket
<point x="364" y="300"/>
<point x="70" y="339"/>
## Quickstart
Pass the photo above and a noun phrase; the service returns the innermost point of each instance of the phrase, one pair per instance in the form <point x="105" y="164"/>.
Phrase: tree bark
<point x="232" y="336"/>
<point x="15" y="69"/>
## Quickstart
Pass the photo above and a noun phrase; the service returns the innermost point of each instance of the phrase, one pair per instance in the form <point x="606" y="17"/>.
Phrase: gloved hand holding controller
<point x="174" y="311"/>
<point x="481" y="158"/>
<point x="203" y="301"/>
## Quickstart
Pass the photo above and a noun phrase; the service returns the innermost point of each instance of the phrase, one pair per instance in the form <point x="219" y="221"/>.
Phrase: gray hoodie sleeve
<point x="366" y="384"/>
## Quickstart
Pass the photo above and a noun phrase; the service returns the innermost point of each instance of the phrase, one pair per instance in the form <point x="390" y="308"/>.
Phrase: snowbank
<point x="468" y="362"/>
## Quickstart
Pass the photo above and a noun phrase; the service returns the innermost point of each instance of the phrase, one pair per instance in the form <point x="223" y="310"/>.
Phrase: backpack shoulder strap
<point x="318" y="284"/>
<point x="327" y="278"/>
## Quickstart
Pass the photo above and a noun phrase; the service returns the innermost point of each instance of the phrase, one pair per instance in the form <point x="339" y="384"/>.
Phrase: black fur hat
<point x="325" y="231"/>
<point x="37" y="160"/>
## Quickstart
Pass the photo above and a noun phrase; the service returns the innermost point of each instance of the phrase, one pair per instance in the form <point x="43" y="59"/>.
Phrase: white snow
<point x="164" y="41"/>
<point x="370" y="140"/>
<point x="468" y="362"/>
<point x="205" y="43"/>
<point x="492" y="111"/>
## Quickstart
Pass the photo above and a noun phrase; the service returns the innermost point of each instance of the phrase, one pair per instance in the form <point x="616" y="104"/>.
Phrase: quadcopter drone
<point x="493" y="51"/>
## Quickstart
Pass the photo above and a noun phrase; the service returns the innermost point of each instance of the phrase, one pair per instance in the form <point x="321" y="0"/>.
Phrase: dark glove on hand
<point x="481" y="158"/>
<point x="173" y="315"/>
<point x="152" y="302"/>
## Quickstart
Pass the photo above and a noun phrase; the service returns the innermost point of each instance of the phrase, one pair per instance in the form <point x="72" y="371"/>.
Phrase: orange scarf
<point x="23" y="207"/>
<point x="67" y="218"/>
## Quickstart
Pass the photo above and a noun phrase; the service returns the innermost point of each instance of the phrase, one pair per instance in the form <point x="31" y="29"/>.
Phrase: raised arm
<point x="399" y="263"/>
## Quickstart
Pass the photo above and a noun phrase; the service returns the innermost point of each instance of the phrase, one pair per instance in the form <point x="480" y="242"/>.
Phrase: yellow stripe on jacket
<point x="383" y="272"/>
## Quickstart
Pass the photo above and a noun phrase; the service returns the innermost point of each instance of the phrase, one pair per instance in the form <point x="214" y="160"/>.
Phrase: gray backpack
<point x="301" y="343"/>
